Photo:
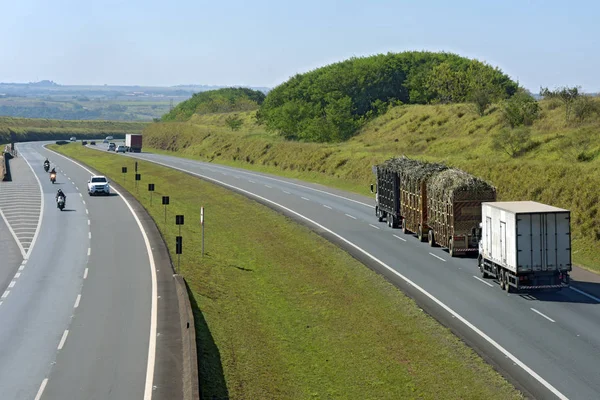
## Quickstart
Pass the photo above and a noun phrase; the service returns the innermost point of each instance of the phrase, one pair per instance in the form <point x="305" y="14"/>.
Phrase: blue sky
<point x="263" y="43"/>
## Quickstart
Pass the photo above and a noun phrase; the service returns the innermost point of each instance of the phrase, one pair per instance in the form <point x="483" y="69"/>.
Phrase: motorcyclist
<point x="59" y="194"/>
<point x="46" y="164"/>
<point x="53" y="171"/>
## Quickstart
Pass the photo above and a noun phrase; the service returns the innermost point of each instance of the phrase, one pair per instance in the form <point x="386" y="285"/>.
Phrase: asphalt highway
<point x="548" y="344"/>
<point x="76" y="323"/>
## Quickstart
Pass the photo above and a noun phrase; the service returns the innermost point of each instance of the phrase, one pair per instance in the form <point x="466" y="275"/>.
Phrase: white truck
<point x="525" y="245"/>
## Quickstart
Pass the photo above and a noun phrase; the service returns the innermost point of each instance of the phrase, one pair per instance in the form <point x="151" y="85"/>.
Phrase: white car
<point x="73" y="139"/>
<point x="98" y="184"/>
<point x="121" y="149"/>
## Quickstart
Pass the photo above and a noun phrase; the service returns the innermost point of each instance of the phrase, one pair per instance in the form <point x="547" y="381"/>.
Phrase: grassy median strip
<point x="281" y="313"/>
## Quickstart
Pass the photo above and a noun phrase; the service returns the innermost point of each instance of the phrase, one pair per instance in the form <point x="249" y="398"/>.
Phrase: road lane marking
<point x="304" y="198"/>
<point x="437" y="301"/>
<point x="86" y="211"/>
<point x="76" y="188"/>
<point x="374" y="226"/>
<point x="22" y="267"/>
<point x="89" y="251"/>
<point x="251" y="181"/>
<point x="83" y="201"/>
<point x="270" y="187"/>
<point x="350" y="216"/>
<point x="545" y="316"/>
<point x="77" y="300"/>
<point x="89" y="222"/>
<point x="85" y="273"/>
<point x="90" y="235"/>
<point x="38" y="396"/>
<point x="286" y="192"/>
<point x="17" y="275"/>
<point x="5" y="294"/>
<point x="63" y="339"/>
<point x="11" y="284"/>
<point x="398" y="237"/>
<point x="80" y="195"/>
<point x="585" y="294"/>
<point x="438" y="257"/>
<point x="326" y="206"/>
<point x="481" y="280"/>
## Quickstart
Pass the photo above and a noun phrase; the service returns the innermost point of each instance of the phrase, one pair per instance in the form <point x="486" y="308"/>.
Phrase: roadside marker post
<point x="202" y="223"/>
<point x="165" y="201"/>
<point x="151" y="189"/>
<point x="124" y="171"/>
<point x="178" y="251"/>
<point x="179" y="221"/>
<point x="138" y="177"/>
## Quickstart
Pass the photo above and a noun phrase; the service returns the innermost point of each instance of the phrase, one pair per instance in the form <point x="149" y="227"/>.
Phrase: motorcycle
<point x="52" y="177"/>
<point x="46" y="166"/>
<point x="60" y="202"/>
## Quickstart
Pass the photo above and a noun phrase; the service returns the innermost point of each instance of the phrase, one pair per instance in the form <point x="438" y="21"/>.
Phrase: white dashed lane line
<point x="63" y="339"/>
<point x="304" y="198"/>
<point x="326" y="206"/>
<point x="350" y="216"/>
<point x="251" y="181"/>
<point x="482" y="281"/>
<point x="38" y="396"/>
<point x="77" y="301"/>
<point x="270" y="187"/>
<point x="545" y="316"/>
<point x="438" y="257"/>
<point x="374" y="226"/>
<point x="286" y="192"/>
<point x="85" y="273"/>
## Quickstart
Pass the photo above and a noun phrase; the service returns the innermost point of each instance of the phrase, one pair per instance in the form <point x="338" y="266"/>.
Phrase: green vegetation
<point x="329" y="104"/>
<point x="216" y="101"/>
<point x="28" y="129"/>
<point x="281" y="313"/>
<point x="559" y="165"/>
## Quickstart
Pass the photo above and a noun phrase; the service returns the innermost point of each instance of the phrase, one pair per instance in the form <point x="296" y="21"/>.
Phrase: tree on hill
<point x="567" y="95"/>
<point x="332" y="102"/>
<point x="234" y="122"/>
<point x="216" y="101"/>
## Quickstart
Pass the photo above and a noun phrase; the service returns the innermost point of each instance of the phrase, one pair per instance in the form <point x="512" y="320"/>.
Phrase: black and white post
<point x="178" y="251"/>
<point x="202" y="224"/>
<point x="124" y="171"/>
<point x="151" y="189"/>
<point x="165" y="201"/>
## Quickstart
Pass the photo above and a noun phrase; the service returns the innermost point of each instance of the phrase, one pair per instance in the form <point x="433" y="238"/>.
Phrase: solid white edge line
<point x="584" y="293"/>
<point x="438" y="257"/>
<point x="351" y="216"/>
<point x="77" y="300"/>
<point x="63" y="339"/>
<point x="478" y="331"/>
<point x="543" y="315"/>
<point x="374" y="226"/>
<point x="153" y="315"/>
<point x="481" y="280"/>
<point x="85" y="273"/>
<point x="326" y="206"/>
<point x="38" y="396"/>
<point x="398" y="237"/>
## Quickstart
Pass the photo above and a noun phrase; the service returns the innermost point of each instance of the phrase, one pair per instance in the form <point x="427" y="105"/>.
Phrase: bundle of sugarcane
<point x="455" y="184"/>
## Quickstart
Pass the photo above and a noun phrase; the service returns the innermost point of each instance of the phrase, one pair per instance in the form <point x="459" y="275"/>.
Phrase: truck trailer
<point x="133" y="142"/>
<point x="525" y="245"/>
<point x="454" y="210"/>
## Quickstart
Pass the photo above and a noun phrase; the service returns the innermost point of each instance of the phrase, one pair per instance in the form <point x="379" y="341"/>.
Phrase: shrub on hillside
<point x="521" y="109"/>
<point x="584" y="107"/>
<point x="332" y="102"/>
<point x="566" y="95"/>
<point x="513" y="142"/>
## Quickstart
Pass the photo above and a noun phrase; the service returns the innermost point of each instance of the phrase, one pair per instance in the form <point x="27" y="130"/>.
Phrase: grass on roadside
<point x="284" y="314"/>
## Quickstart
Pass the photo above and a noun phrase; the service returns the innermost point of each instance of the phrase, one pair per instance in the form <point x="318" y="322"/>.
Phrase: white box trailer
<point x="525" y="245"/>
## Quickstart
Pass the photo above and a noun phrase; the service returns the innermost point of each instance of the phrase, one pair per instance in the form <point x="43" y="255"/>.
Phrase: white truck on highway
<point x="525" y="245"/>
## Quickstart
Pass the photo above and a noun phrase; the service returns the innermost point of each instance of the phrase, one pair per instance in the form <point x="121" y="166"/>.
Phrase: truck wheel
<point x="390" y="220"/>
<point x="431" y="238"/>
<point x="378" y="214"/>
<point x="484" y="274"/>
<point x="403" y="224"/>
<point x="507" y="286"/>
<point x="420" y="233"/>
<point x="501" y="279"/>
<point x="451" y="248"/>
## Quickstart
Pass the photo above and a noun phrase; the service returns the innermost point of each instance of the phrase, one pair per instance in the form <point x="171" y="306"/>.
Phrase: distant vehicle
<point x="84" y="142"/>
<point x="98" y="184"/>
<point x="112" y="147"/>
<point x="121" y="149"/>
<point x="109" y="138"/>
<point x="105" y="141"/>
<point x="92" y="143"/>
<point x="73" y="139"/>
<point x="133" y="142"/>
<point x="526" y="245"/>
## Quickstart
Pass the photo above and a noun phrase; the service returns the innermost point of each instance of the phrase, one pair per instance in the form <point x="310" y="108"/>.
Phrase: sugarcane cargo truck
<point x="525" y="245"/>
<point x="441" y="205"/>
<point x="133" y="143"/>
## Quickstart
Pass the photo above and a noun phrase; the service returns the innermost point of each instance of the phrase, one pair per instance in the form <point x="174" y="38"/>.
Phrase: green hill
<point x="26" y="129"/>
<point x="559" y="164"/>
<point x="330" y="103"/>
<point x="216" y="101"/>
